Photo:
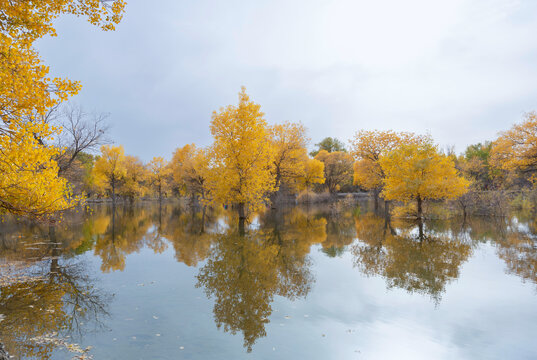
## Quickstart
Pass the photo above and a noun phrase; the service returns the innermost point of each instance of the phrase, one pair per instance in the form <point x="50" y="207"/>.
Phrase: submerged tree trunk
<point x="113" y="191"/>
<point x="274" y="196"/>
<point x="387" y="209"/>
<point x="420" y="228"/>
<point x="420" y="218"/>
<point x="420" y="209"/>
<point x="242" y="210"/>
<point x="242" y="218"/>
<point x="376" y="199"/>
<point x="202" y="230"/>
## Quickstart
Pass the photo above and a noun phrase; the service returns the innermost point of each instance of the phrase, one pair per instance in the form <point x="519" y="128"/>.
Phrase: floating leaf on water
<point x="287" y="317"/>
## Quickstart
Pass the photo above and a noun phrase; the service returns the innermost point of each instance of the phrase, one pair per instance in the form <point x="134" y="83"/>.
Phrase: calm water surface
<point x="337" y="282"/>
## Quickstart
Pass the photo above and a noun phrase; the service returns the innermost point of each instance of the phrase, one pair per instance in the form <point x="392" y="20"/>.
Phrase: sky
<point x="461" y="70"/>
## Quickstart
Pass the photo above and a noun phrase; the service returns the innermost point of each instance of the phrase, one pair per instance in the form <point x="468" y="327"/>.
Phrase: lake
<point x="164" y="281"/>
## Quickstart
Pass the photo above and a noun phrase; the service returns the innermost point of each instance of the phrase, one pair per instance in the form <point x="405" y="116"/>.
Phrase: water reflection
<point x="518" y="248"/>
<point x="339" y="230"/>
<point x="409" y="256"/>
<point x="245" y="271"/>
<point x="46" y="293"/>
<point x="190" y="232"/>
<point x="241" y="273"/>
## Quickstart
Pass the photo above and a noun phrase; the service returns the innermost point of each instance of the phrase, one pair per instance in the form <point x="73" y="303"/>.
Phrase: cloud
<point x="461" y="70"/>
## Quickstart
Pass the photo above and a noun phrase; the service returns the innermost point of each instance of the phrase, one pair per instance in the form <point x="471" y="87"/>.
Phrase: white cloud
<point x="463" y="70"/>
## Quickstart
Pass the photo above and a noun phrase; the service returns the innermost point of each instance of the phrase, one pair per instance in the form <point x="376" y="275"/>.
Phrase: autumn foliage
<point x="241" y="155"/>
<point x="418" y="172"/>
<point x="29" y="181"/>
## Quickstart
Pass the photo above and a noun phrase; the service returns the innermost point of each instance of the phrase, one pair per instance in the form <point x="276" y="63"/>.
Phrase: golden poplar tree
<point x="516" y="148"/>
<point x="290" y="154"/>
<point x="367" y="147"/>
<point x="29" y="182"/>
<point x="136" y="175"/>
<point x="337" y="169"/>
<point x="313" y="174"/>
<point x="190" y="169"/>
<point x="159" y="173"/>
<point x="418" y="172"/>
<point x="242" y="156"/>
<point x="110" y="169"/>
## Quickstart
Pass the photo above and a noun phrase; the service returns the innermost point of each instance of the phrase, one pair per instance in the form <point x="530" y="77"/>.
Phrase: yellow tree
<point x="290" y="154"/>
<point x="516" y="148"/>
<point x="159" y="173"/>
<point x="190" y="167"/>
<point x="110" y="168"/>
<point x="313" y="174"/>
<point x="420" y="172"/>
<point x="136" y="175"/>
<point x="367" y="147"/>
<point x="29" y="182"/>
<point x="242" y="156"/>
<point x="337" y="169"/>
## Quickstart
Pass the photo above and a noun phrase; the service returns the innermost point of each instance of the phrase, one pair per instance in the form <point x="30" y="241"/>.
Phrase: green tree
<point x="329" y="144"/>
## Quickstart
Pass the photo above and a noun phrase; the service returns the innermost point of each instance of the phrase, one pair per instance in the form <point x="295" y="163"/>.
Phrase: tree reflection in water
<point x="46" y="296"/>
<point x="245" y="271"/>
<point x="408" y="256"/>
<point x="519" y="248"/>
<point x="243" y="274"/>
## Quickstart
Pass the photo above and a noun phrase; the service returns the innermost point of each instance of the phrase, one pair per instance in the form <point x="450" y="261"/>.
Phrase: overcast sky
<point x="460" y="70"/>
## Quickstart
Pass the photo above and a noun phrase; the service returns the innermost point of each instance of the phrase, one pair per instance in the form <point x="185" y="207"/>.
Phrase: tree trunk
<point x="420" y="209"/>
<point x="202" y="230"/>
<point x="274" y="195"/>
<point x="242" y="218"/>
<point x="241" y="209"/>
<point x="113" y="191"/>
<point x="376" y="198"/>
<point x="420" y="228"/>
<point x="387" y="209"/>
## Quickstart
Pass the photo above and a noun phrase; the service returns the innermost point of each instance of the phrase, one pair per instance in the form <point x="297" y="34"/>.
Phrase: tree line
<point x="251" y="163"/>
